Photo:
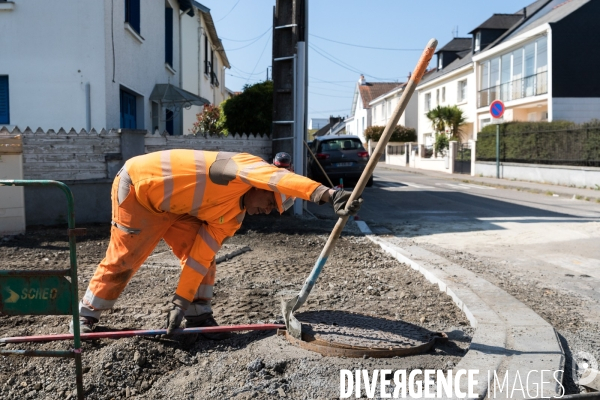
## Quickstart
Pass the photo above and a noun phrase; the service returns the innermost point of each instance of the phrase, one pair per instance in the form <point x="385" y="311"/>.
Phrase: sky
<point x="381" y="39"/>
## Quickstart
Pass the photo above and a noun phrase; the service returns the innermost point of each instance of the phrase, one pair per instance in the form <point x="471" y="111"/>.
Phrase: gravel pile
<point x="358" y="277"/>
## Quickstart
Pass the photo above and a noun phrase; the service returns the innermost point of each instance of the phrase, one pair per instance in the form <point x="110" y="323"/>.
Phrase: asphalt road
<point x="553" y="240"/>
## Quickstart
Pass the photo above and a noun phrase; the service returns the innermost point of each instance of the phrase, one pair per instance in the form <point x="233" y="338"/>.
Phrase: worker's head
<point x="283" y="160"/>
<point x="259" y="201"/>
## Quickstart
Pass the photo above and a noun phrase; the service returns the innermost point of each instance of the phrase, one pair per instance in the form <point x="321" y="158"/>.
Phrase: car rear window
<point x="341" y="144"/>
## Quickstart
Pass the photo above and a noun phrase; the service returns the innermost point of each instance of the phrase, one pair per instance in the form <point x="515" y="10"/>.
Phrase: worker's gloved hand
<point x="339" y="198"/>
<point x="174" y="318"/>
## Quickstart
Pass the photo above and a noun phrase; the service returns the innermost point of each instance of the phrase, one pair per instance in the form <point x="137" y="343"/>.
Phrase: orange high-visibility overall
<point x="193" y="200"/>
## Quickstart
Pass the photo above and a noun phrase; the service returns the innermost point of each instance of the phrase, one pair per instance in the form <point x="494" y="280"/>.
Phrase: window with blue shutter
<point x="169" y="36"/>
<point x="132" y="14"/>
<point x="128" y="111"/>
<point x="4" y="106"/>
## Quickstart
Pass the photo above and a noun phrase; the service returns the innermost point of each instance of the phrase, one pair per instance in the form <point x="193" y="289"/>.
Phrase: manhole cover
<point x="340" y="333"/>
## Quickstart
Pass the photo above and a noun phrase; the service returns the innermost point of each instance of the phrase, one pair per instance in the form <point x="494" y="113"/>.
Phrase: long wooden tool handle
<point x="318" y="163"/>
<point x="366" y="174"/>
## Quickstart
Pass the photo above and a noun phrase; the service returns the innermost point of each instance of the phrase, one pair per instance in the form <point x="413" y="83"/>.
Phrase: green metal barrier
<point x="46" y="292"/>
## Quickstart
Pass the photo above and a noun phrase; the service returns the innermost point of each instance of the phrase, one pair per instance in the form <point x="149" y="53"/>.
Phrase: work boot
<point x="86" y="324"/>
<point x="206" y="320"/>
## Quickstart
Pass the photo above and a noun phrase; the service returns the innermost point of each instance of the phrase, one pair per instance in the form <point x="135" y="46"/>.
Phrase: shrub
<point x="441" y="143"/>
<point x="556" y="142"/>
<point x="209" y="121"/>
<point x="400" y="133"/>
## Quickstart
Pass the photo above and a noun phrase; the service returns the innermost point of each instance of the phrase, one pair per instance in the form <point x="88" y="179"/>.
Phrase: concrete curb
<point x="531" y="187"/>
<point x="510" y="339"/>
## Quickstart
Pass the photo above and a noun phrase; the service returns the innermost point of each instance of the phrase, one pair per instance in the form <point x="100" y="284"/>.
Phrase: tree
<point x="251" y="111"/>
<point x="454" y="119"/>
<point x="436" y="116"/>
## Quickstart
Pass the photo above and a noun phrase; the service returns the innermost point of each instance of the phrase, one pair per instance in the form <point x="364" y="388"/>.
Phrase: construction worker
<point x="194" y="200"/>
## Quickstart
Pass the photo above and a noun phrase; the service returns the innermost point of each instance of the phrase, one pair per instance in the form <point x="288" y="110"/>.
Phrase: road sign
<point x="35" y="295"/>
<point x="497" y="109"/>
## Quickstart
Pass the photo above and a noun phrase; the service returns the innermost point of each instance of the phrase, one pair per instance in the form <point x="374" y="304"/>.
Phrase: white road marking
<point x="417" y="186"/>
<point x="477" y="186"/>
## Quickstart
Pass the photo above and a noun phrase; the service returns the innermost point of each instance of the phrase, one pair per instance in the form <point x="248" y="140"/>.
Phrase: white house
<point x="92" y="64"/>
<point x="383" y="107"/>
<point x="361" y="112"/>
<point x="541" y="68"/>
<point x="450" y="83"/>
<point x="204" y="62"/>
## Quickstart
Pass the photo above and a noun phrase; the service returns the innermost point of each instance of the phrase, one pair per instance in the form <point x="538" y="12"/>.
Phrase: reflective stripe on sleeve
<point x="275" y="178"/>
<point x="243" y="174"/>
<point x="200" y="163"/>
<point x="165" y="163"/>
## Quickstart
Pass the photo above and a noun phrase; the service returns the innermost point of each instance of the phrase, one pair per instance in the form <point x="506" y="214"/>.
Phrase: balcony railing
<point x="533" y="85"/>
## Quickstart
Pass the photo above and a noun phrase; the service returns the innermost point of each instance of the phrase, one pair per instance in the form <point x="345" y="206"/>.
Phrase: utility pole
<point x="290" y="66"/>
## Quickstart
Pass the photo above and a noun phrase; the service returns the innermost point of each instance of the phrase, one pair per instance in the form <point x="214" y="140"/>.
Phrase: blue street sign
<point x="497" y="109"/>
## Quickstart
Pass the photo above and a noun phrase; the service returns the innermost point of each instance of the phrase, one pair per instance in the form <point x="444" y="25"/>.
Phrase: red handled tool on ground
<point x="122" y="334"/>
<point x="288" y="307"/>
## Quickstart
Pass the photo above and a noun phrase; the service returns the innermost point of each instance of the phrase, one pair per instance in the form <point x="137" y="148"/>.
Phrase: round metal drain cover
<point x="341" y="333"/>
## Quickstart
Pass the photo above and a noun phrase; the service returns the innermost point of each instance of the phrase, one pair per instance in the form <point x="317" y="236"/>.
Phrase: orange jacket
<point x="208" y="185"/>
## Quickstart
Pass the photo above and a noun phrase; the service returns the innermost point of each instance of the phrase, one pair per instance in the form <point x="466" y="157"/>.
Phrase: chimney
<point x="361" y="80"/>
<point x="524" y="12"/>
<point x="409" y="75"/>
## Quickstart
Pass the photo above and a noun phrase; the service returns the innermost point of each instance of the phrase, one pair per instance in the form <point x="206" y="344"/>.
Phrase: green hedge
<point x="400" y="133"/>
<point x="557" y="142"/>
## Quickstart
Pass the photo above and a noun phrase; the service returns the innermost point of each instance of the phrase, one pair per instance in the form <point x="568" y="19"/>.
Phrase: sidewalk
<point x="532" y="187"/>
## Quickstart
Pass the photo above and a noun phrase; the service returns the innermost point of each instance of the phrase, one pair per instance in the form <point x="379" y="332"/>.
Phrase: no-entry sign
<point x="497" y="109"/>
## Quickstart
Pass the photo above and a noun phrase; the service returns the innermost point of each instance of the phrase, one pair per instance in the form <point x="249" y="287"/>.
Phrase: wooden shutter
<point x="169" y="36"/>
<point x="4" y="109"/>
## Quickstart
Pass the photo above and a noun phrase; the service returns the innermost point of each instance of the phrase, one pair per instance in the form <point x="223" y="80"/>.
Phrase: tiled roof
<point x="454" y="65"/>
<point x="457" y="44"/>
<point x="372" y="90"/>
<point x="499" y="21"/>
<point x="552" y="11"/>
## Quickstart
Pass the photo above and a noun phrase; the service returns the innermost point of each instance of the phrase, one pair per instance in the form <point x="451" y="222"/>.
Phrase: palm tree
<point x="436" y="116"/>
<point x="454" y="119"/>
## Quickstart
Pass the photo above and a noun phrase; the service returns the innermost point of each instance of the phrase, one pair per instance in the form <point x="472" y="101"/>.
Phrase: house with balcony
<point x="204" y="62"/>
<point x="449" y="83"/>
<point x="361" y="113"/>
<point x="113" y="65"/>
<point x="540" y="68"/>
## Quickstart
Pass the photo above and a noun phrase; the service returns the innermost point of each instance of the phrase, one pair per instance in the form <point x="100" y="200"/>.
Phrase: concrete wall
<point x="12" y="209"/>
<point x="50" y="50"/>
<point x="257" y="145"/>
<point x="576" y="109"/>
<point x="87" y="163"/>
<point x="553" y="174"/>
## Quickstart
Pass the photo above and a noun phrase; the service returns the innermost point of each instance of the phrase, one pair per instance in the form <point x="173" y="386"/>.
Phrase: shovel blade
<point x="293" y="326"/>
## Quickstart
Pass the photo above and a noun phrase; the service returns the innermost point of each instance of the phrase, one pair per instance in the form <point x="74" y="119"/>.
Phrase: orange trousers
<point x="135" y="232"/>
